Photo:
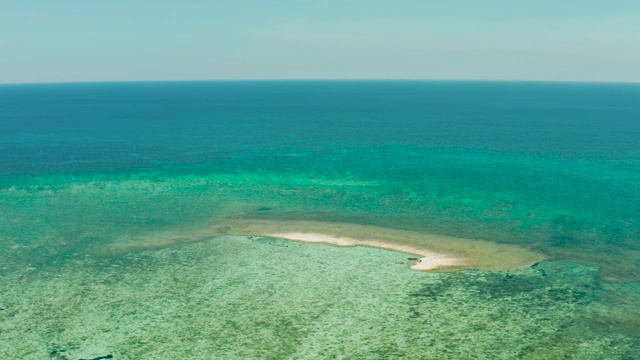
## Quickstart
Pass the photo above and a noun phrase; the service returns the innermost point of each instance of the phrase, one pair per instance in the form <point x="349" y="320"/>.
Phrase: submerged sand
<point x="436" y="252"/>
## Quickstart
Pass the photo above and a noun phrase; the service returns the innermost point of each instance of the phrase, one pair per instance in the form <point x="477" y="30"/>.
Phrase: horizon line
<point x="79" y="82"/>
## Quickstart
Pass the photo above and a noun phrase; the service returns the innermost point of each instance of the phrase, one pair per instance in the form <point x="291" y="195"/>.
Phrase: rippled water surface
<point x="108" y="193"/>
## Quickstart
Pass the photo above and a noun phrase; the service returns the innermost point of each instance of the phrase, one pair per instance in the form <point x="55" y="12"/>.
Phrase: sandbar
<point x="436" y="252"/>
<point x="429" y="260"/>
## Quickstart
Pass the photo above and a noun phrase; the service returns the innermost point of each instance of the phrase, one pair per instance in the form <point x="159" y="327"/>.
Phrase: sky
<point x="140" y="40"/>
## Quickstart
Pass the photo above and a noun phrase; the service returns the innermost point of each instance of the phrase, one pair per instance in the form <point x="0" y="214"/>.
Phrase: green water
<point x="526" y="208"/>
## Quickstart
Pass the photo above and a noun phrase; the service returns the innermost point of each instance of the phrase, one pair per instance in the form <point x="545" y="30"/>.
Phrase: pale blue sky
<point x="101" y="40"/>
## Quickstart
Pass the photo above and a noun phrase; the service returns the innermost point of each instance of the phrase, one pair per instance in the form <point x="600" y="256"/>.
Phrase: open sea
<point x="114" y="196"/>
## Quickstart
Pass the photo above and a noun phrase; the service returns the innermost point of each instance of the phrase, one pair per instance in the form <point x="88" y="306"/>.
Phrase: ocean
<point x="116" y="200"/>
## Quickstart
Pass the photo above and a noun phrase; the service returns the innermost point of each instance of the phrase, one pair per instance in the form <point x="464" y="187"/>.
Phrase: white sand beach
<point x="429" y="260"/>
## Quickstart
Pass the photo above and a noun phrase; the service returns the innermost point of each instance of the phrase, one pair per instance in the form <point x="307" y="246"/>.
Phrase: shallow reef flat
<point x="257" y="297"/>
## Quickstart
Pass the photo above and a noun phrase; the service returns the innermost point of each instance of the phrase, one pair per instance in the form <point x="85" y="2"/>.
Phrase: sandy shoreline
<point x="429" y="260"/>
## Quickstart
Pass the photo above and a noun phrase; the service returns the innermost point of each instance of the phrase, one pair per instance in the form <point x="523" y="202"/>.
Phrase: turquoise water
<point x="105" y="190"/>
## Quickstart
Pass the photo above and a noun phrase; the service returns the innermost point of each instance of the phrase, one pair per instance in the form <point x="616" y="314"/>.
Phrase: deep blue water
<point x="75" y="127"/>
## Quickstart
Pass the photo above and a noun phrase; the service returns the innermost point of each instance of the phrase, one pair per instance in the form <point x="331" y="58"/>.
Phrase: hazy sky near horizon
<point x="74" y="40"/>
